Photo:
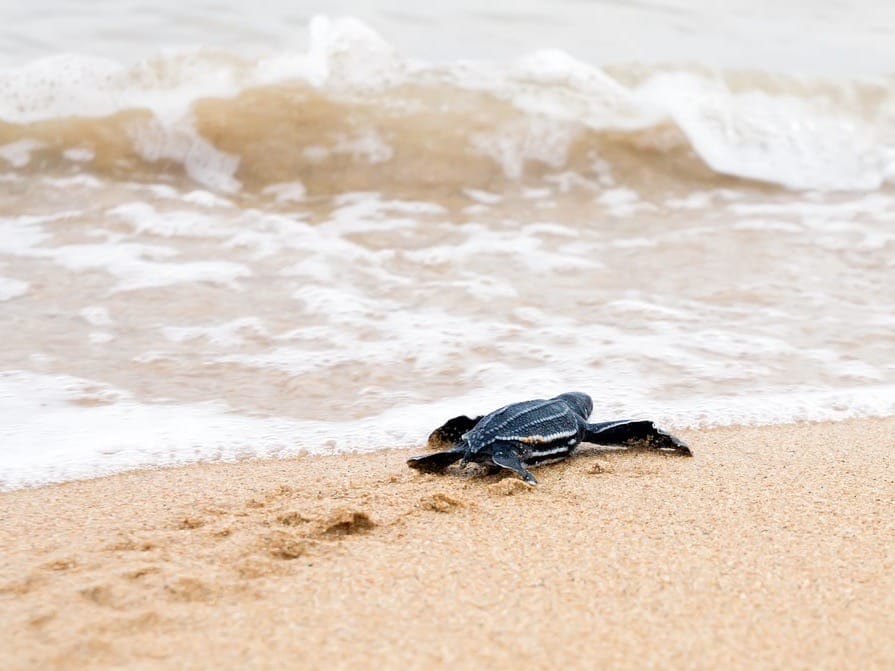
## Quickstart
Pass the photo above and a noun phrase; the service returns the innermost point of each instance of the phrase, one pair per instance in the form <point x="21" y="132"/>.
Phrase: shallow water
<point x="331" y="239"/>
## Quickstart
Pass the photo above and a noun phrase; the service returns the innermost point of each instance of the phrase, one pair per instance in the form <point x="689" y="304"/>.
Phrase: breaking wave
<point x="354" y="114"/>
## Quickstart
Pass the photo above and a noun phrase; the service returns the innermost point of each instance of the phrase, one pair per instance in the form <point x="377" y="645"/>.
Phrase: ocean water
<point x="231" y="231"/>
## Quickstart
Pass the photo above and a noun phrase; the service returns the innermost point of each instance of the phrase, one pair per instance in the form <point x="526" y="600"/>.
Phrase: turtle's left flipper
<point x="506" y="457"/>
<point x="436" y="463"/>
<point x="634" y="432"/>
<point x="449" y="434"/>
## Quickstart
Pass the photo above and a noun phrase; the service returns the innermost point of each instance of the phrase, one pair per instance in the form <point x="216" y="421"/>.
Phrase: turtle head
<point x="580" y="403"/>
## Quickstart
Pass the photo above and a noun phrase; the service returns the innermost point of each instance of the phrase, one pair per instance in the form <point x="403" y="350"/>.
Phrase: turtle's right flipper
<point x="450" y="433"/>
<point x="506" y="457"/>
<point x="437" y="462"/>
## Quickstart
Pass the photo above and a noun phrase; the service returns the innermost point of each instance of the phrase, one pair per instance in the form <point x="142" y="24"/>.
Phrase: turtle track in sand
<point x="165" y="556"/>
<point x="152" y="555"/>
<point x="202" y="556"/>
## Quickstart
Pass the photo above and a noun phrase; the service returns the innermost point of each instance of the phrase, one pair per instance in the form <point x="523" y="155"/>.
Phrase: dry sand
<point x="771" y="548"/>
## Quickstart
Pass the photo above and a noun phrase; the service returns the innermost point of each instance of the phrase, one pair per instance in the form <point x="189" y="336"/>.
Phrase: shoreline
<point x="772" y="547"/>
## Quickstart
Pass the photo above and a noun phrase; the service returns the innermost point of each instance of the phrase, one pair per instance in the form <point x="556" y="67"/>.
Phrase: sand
<point x="772" y="548"/>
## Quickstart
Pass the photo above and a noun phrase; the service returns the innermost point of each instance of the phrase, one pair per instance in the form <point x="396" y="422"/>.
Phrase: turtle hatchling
<point x="521" y="435"/>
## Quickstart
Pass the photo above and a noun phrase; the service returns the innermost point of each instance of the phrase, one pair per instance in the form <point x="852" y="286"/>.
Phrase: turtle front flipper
<point x="450" y="433"/>
<point x="634" y="433"/>
<point x="507" y="457"/>
<point x="437" y="462"/>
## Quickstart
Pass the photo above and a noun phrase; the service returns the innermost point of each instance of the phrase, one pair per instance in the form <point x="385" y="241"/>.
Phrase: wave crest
<point x="351" y="113"/>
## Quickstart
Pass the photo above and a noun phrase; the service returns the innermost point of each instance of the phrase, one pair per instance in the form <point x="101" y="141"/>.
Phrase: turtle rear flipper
<point x="632" y="432"/>
<point x="450" y="433"/>
<point x="437" y="462"/>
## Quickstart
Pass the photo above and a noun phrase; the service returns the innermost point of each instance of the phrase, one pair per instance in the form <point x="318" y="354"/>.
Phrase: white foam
<point x="97" y="315"/>
<point x="137" y="266"/>
<point x="81" y="441"/>
<point x="206" y="199"/>
<point x="81" y="180"/>
<point x="797" y="142"/>
<point x="623" y="202"/>
<point x="696" y="200"/>
<point x="18" y="154"/>
<point x="571" y="91"/>
<point x="79" y="154"/>
<point x="532" y="138"/>
<point x="357" y="211"/>
<point x="876" y="205"/>
<point x="781" y="408"/>
<point x="100" y="337"/>
<point x="225" y="335"/>
<point x="483" y="242"/>
<point x="178" y="141"/>
<point x="12" y="288"/>
<point x="144" y="218"/>
<point x="286" y="191"/>
<point x="112" y="432"/>
<point x="20" y="235"/>
<point x="483" y="197"/>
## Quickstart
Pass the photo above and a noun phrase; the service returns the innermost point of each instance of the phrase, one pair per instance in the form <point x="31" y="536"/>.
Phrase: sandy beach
<point x="772" y="548"/>
<point x="251" y="254"/>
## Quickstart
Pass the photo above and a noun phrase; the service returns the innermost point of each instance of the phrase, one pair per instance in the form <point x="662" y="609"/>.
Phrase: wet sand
<point x="772" y="548"/>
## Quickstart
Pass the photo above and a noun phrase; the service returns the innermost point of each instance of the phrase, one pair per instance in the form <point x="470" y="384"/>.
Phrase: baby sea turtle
<point x="535" y="432"/>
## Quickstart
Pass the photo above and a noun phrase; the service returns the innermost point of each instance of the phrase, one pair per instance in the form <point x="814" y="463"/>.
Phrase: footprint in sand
<point x="41" y="619"/>
<point x="441" y="502"/>
<point x="142" y="572"/>
<point x="341" y="522"/>
<point x="281" y="545"/>
<point x="509" y="487"/>
<point x="129" y="544"/>
<point x="188" y="589"/>
<point x="344" y="522"/>
<point x="129" y="625"/>
<point x="251" y="568"/>
<point x="190" y="523"/>
<point x="22" y="586"/>
<point x="62" y="564"/>
<point x="292" y="519"/>
<point x="104" y="595"/>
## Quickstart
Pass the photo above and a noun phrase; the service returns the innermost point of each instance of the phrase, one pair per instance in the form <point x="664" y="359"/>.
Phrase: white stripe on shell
<point x="539" y="439"/>
<point x="556" y="450"/>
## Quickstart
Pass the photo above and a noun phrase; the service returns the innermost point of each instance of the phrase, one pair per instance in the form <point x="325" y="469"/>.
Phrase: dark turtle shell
<point x="538" y="425"/>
